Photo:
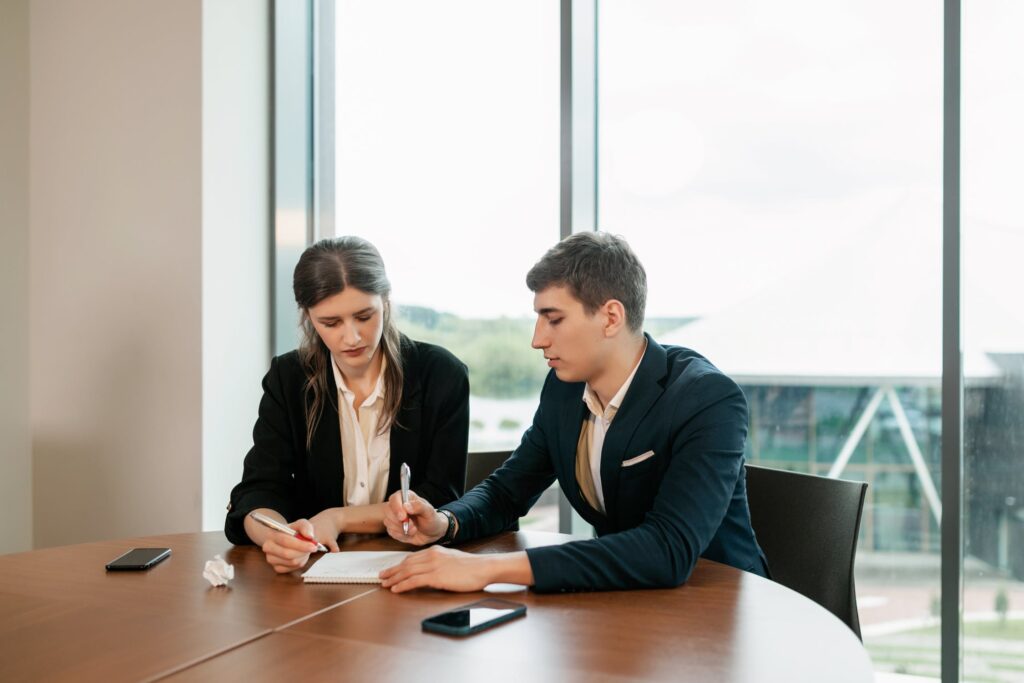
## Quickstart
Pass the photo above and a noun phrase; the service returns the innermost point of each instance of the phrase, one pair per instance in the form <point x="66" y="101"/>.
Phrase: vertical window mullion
<point x="578" y="197"/>
<point x="952" y="355"/>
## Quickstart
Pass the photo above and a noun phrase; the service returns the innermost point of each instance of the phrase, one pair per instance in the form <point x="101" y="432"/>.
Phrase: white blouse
<point x="365" y="454"/>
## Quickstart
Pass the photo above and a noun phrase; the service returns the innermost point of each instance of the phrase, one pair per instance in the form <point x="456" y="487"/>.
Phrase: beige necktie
<point x="583" y="475"/>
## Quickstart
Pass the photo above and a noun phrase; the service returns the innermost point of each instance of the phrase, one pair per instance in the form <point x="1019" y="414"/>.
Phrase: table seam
<point x="245" y="641"/>
<point x="291" y="623"/>
<point x="203" y="658"/>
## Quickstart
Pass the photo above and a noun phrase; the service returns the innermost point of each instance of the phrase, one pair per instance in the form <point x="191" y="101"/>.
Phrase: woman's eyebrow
<point x="329" y="318"/>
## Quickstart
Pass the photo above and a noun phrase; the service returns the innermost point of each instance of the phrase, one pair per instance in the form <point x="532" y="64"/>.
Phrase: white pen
<point x="277" y="526"/>
<point x="406" y="473"/>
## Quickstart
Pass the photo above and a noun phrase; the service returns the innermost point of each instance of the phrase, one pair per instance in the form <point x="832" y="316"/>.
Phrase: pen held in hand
<point x="277" y="526"/>
<point x="406" y="473"/>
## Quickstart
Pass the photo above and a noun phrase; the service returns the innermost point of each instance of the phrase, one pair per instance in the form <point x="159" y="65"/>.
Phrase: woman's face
<point x="350" y="323"/>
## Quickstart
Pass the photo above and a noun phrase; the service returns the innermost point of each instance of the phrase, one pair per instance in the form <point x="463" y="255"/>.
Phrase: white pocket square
<point x="638" y="459"/>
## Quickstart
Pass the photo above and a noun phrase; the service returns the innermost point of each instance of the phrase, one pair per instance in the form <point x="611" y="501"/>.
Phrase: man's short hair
<point x="595" y="267"/>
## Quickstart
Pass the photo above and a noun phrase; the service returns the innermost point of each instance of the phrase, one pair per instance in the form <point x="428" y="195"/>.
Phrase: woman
<point x="342" y="413"/>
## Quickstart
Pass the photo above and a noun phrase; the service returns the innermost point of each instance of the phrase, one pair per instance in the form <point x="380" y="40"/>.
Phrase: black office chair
<point x="807" y="527"/>
<point x="480" y="465"/>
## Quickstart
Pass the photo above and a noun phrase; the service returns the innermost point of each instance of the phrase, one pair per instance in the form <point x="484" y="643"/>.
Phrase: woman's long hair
<point x="323" y="270"/>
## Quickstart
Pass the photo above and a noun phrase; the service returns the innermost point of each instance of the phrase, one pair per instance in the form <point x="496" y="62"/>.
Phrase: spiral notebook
<point x="353" y="566"/>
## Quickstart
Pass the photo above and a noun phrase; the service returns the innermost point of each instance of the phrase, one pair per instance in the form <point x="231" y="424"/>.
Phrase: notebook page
<point x="352" y="566"/>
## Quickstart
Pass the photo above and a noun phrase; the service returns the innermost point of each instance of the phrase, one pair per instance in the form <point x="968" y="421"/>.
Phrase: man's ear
<point x="615" y="317"/>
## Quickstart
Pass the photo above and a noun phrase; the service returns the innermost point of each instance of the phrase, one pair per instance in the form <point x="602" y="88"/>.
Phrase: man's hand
<point x="438" y="567"/>
<point x="426" y="524"/>
<point x="454" y="570"/>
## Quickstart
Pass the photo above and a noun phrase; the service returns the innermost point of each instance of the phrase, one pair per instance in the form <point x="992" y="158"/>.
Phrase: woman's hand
<point x="287" y="553"/>
<point x="329" y="524"/>
<point x="426" y="524"/>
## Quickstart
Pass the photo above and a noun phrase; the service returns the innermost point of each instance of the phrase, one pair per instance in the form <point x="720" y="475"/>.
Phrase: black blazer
<point x="671" y="470"/>
<point x="431" y="435"/>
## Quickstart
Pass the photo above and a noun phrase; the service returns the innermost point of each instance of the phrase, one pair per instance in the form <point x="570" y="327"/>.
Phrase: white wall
<point x="122" y="244"/>
<point x="115" y="197"/>
<point x="236" y="238"/>
<point x="15" y="442"/>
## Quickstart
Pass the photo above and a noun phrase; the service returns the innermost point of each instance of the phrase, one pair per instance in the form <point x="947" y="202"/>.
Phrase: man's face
<point x="573" y="341"/>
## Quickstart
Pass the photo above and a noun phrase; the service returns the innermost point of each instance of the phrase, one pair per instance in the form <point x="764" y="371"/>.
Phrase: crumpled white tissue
<point x="218" y="572"/>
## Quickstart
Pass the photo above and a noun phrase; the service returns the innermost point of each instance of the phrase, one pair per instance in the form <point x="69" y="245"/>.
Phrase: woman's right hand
<point x="287" y="553"/>
<point x="426" y="524"/>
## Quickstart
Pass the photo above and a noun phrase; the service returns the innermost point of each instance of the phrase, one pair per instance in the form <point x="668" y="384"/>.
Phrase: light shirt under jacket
<point x="596" y="426"/>
<point x="365" y="454"/>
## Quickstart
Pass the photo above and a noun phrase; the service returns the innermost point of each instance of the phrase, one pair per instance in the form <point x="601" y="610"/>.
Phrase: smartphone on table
<point x="139" y="558"/>
<point x="473" y="618"/>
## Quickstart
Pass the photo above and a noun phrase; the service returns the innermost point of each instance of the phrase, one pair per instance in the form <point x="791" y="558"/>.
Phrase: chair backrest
<point x="807" y="527"/>
<point x="480" y="465"/>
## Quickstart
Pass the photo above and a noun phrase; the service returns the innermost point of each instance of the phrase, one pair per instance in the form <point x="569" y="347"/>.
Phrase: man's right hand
<point x="426" y="524"/>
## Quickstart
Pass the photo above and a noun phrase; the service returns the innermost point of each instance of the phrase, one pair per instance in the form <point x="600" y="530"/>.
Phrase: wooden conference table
<point x="63" y="617"/>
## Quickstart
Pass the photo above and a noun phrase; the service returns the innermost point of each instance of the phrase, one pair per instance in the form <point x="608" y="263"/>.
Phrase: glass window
<point x="446" y="158"/>
<point x="992" y="228"/>
<point x="777" y="168"/>
<point x="292" y="169"/>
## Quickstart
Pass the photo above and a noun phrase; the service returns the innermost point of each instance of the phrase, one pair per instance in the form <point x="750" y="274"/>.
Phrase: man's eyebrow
<point x="548" y="310"/>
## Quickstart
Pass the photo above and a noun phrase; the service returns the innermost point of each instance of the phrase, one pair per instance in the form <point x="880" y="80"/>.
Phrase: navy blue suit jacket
<point x="687" y="501"/>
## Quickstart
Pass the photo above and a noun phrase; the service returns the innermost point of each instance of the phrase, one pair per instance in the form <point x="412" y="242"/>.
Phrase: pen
<point x="406" y="473"/>
<point x="277" y="526"/>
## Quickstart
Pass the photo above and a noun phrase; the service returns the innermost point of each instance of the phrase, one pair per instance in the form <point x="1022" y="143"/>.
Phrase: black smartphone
<point x="469" y="619"/>
<point x="139" y="558"/>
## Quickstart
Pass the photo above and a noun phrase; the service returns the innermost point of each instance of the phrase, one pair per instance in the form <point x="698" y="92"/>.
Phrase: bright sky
<point x="740" y="142"/>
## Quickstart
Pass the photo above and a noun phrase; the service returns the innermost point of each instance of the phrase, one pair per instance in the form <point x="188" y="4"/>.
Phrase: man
<point x="646" y="443"/>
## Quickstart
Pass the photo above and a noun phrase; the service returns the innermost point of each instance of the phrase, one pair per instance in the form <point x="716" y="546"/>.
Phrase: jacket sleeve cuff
<point x="463" y="515"/>
<point x="544" y="565"/>
<point x="234" y="523"/>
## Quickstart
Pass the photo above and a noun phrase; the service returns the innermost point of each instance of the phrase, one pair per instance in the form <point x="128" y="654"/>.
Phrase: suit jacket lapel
<point x="404" y="436"/>
<point x="643" y="392"/>
<point x="325" y="462"/>
<point x="406" y="433"/>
